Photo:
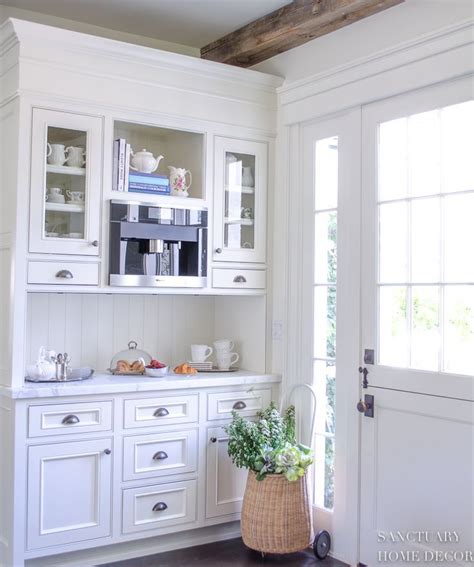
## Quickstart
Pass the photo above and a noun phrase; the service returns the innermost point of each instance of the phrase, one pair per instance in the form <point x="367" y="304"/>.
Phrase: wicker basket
<point x="276" y="514"/>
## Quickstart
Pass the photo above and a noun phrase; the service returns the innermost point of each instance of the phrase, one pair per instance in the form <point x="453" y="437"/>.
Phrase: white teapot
<point x="144" y="161"/>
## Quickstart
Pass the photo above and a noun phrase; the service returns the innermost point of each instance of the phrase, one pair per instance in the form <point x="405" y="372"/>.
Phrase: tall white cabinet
<point x="117" y="475"/>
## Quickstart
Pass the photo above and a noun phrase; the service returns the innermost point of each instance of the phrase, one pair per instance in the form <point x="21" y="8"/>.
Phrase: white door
<point x="240" y="201"/>
<point x="66" y="173"/>
<point x="417" y="311"/>
<point x="69" y="492"/>
<point x="225" y="483"/>
<point x="330" y="313"/>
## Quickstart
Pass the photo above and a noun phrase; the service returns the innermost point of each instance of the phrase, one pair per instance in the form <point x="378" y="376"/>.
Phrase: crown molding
<point x="29" y="34"/>
<point x="424" y="46"/>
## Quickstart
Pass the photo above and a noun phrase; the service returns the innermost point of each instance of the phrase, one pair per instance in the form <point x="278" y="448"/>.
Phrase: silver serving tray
<point x="76" y="375"/>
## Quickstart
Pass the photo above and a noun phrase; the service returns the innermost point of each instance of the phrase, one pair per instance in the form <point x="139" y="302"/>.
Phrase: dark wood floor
<point x="220" y="554"/>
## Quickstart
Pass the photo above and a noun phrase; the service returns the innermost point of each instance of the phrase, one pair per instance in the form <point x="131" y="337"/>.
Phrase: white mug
<point x="226" y="359"/>
<point x="199" y="353"/>
<point x="75" y="156"/>
<point x="56" y="154"/>
<point x="223" y="345"/>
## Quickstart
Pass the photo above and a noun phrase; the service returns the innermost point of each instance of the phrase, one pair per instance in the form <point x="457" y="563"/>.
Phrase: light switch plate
<point x="277" y="330"/>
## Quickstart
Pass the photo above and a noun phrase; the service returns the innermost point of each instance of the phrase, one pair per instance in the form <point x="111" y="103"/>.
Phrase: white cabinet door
<point x="240" y="201"/>
<point x="69" y="492"/>
<point x="225" y="482"/>
<point x="66" y="169"/>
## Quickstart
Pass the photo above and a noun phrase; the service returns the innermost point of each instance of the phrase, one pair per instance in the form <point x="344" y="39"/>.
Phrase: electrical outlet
<point x="277" y="330"/>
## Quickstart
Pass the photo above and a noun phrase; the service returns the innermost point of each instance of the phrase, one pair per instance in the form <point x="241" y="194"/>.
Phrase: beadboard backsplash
<point x="92" y="327"/>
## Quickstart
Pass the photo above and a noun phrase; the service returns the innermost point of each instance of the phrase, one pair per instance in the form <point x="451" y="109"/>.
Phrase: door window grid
<point x="325" y="287"/>
<point x="426" y="272"/>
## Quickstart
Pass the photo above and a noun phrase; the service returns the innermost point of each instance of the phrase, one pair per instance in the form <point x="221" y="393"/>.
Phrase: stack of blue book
<point x="154" y="183"/>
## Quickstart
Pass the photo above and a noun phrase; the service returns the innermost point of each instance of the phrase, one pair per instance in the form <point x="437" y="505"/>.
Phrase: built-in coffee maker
<point x="157" y="246"/>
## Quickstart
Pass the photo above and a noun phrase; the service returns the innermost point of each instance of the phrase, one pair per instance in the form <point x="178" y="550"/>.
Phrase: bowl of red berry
<point x="156" y="368"/>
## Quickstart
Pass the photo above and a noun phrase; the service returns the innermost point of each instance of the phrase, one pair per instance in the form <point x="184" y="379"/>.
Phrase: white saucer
<point x="80" y="203"/>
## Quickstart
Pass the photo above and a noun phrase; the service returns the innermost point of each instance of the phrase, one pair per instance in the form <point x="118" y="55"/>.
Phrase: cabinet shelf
<point x="244" y="222"/>
<point x="64" y="208"/>
<point x="65" y="170"/>
<point x="244" y="189"/>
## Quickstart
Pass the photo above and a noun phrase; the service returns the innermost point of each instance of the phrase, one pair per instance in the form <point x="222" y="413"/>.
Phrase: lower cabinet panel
<point x="225" y="482"/>
<point x="69" y="492"/>
<point x="159" y="506"/>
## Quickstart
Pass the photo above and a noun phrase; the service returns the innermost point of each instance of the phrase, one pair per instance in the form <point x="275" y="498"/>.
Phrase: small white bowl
<point x="156" y="372"/>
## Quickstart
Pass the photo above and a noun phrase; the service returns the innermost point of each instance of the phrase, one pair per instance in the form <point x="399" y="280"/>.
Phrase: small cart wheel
<point x="322" y="544"/>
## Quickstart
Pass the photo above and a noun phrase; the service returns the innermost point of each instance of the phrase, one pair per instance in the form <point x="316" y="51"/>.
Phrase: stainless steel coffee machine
<point x="157" y="246"/>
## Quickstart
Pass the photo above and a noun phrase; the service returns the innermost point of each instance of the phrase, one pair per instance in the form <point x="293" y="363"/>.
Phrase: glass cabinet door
<point x="240" y="202"/>
<point x="65" y="183"/>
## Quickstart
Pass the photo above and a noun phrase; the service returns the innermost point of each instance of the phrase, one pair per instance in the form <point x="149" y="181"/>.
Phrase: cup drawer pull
<point x="71" y="420"/>
<point x="240" y="279"/>
<point x="160" y="507"/>
<point x="160" y="456"/>
<point x="239" y="405"/>
<point x="161" y="412"/>
<point x="64" y="274"/>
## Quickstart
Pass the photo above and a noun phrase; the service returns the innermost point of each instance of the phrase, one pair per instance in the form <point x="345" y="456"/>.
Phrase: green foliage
<point x="268" y="445"/>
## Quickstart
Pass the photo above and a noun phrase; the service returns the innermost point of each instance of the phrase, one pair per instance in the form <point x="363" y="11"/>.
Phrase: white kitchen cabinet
<point x="240" y="201"/>
<point x="69" y="492"/>
<point x="225" y="482"/>
<point x="66" y="170"/>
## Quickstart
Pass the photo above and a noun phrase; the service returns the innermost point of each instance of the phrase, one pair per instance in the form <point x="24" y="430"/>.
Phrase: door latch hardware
<point x="369" y="356"/>
<point x="366" y="406"/>
<point x="364" y="371"/>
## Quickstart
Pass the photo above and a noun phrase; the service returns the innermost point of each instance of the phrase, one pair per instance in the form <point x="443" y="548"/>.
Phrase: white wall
<point x="382" y="31"/>
<point x="92" y="328"/>
<point x="8" y="12"/>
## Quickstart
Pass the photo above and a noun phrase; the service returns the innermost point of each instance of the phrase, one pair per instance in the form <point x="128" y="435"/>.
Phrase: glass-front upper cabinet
<point x="66" y="165"/>
<point x="240" y="201"/>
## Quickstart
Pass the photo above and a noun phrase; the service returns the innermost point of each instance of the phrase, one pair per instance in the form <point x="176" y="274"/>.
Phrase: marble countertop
<point x="108" y="384"/>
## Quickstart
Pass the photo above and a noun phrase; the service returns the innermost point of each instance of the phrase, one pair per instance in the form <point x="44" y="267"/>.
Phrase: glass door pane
<point x="65" y="190"/>
<point x="239" y="206"/>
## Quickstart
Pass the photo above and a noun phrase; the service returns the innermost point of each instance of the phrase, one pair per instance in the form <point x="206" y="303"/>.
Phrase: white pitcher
<point x="56" y="154"/>
<point x="75" y="156"/>
<point x="178" y="184"/>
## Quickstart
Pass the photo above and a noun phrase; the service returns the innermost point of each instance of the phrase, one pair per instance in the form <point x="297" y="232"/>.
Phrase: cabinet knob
<point x="161" y="412"/>
<point x="239" y="405"/>
<point x="71" y="420"/>
<point x="218" y="250"/>
<point x="65" y="274"/>
<point x="240" y="279"/>
<point x="160" y="507"/>
<point x="95" y="243"/>
<point x="213" y="439"/>
<point x="107" y="451"/>
<point x="160" y="456"/>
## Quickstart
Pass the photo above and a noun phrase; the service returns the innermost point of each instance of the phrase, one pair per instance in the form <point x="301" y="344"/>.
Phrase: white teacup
<point x="56" y="154"/>
<point x="75" y="195"/>
<point x="223" y="345"/>
<point x="55" y="191"/>
<point x="226" y="359"/>
<point x="199" y="353"/>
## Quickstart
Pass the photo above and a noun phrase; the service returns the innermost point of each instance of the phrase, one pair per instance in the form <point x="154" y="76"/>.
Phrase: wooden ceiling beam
<point x="290" y="26"/>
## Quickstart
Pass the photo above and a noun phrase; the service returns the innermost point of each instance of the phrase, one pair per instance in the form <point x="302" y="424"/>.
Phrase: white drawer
<point x="220" y="404"/>
<point x="164" y="410"/>
<point x="63" y="273"/>
<point x="239" y="279"/>
<point x="159" y="454"/>
<point x="62" y="419"/>
<point x="153" y="507"/>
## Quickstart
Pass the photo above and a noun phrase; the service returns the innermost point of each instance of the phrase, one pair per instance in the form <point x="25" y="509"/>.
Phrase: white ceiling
<point x="188" y="22"/>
